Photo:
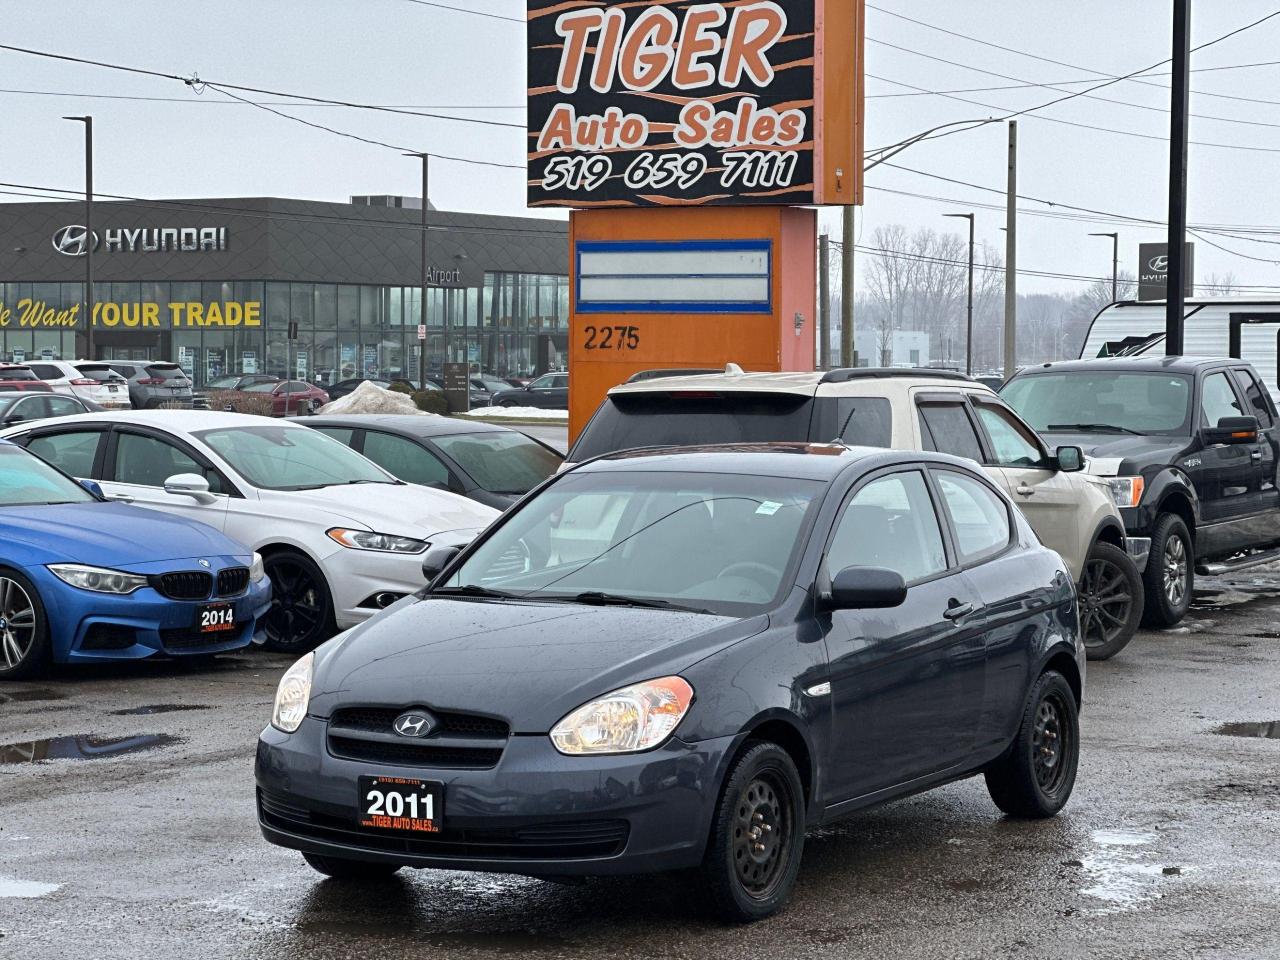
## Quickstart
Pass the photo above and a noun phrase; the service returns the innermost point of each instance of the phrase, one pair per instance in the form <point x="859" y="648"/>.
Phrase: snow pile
<point x="518" y="413"/>
<point x="371" y="398"/>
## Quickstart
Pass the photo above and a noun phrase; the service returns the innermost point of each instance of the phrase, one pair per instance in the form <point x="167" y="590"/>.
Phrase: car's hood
<point x="400" y="509"/>
<point x="1113" y="455"/>
<point x="111" y="534"/>
<point x="530" y="663"/>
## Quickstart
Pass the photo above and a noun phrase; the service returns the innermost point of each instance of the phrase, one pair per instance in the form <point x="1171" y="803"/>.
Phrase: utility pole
<point x="824" y="302"/>
<point x="88" y="233"/>
<point x="426" y="274"/>
<point x="1011" y="258"/>
<point x="968" y="341"/>
<point x="848" y="355"/>
<point x="1179" y="110"/>
<point x="1115" y="262"/>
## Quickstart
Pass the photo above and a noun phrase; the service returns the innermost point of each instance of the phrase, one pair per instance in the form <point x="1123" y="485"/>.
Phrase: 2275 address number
<point x="611" y="338"/>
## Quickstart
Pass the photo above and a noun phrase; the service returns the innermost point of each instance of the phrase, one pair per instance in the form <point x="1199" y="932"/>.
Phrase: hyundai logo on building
<point x="1158" y="264"/>
<point x="416" y="725"/>
<point x="73" y="240"/>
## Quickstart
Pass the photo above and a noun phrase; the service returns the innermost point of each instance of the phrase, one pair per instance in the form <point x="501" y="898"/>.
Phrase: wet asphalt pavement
<point x="1170" y="846"/>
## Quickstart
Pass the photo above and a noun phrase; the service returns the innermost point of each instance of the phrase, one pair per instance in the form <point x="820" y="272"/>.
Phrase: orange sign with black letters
<point x="660" y="102"/>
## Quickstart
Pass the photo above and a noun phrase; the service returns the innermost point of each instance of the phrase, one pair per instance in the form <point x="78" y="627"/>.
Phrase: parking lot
<point x="1169" y="847"/>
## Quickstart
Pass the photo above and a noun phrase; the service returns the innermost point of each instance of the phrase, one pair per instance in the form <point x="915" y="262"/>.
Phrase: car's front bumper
<point x="536" y="812"/>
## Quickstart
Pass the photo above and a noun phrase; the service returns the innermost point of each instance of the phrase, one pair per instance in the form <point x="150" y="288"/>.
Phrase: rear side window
<point x="946" y="428"/>
<point x="628" y="421"/>
<point x="404" y="459"/>
<point x="979" y="517"/>
<point x="47" y="371"/>
<point x="864" y="421"/>
<point x="72" y="452"/>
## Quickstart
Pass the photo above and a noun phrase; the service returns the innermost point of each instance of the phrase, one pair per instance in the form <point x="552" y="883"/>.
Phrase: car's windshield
<point x="223" y="383"/>
<point x="268" y="386"/>
<point x="501" y="462"/>
<point x="25" y="479"/>
<point x="1103" y="401"/>
<point x="705" y="541"/>
<point x="291" y="458"/>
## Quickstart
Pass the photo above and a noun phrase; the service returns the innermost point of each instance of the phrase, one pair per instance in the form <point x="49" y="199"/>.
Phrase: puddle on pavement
<point x="1117" y="873"/>
<point x="26" y="889"/>
<point x="31" y="696"/>
<point x="154" y="708"/>
<point x="82" y="747"/>
<point x="1269" y="729"/>
<point x="1211" y="598"/>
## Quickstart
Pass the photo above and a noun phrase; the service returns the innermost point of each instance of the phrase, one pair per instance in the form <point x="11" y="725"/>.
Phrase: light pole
<point x="426" y="274"/>
<point x="88" y="232"/>
<point x="1115" y="261"/>
<point x="968" y="343"/>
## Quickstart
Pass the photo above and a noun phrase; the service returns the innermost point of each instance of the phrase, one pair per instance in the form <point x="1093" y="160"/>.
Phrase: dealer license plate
<point x="216" y="617"/>
<point x="112" y="388"/>
<point x="401" y="803"/>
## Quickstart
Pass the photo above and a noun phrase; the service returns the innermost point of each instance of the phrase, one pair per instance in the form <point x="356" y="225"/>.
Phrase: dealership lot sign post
<point x="686" y="138"/>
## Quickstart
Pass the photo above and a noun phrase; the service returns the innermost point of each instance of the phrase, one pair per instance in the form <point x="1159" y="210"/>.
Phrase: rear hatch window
<point x="99" y="372"/>
<point x="16" y="373"/>
<point x="165" y="371"/>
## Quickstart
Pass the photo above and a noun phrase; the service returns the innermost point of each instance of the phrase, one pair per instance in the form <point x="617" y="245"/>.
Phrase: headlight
<point x="97" y="579"/>
<point x="1126" y="491"/>
<point x="257" y="570"/>
<point x="293" y="695"/>
<point x="625" y="721"/>
<point x="384" y="542"/>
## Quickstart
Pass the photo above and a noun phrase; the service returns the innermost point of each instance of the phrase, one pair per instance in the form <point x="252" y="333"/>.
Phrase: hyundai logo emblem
<point x="1159" y="264"/>
<point x="73" y="240"/>
<point x="416" y="725"/>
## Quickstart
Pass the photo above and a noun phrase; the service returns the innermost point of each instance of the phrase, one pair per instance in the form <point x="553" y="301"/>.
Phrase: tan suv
<point x="908" y="409"/>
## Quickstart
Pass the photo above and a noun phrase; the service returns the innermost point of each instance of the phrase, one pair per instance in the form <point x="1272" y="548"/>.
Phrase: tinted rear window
<point x="166" y="371"/>
<point x="627" y="421"/>
<point x="16" y="373"/>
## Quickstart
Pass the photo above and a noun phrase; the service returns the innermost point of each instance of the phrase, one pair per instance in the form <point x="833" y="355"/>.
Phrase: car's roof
<point x="408" y="424"/>
<point x="175" y="421"/>
<point x="1157" y="364"/>
<point x="804" y="382"/>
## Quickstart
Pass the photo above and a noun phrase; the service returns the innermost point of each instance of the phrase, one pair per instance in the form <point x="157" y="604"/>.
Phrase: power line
<point x="274" y="103"/>
<point x="476" y="13"/>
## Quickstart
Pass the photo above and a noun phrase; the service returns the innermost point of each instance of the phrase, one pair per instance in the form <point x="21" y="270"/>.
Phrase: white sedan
<point x="341" y="538"/>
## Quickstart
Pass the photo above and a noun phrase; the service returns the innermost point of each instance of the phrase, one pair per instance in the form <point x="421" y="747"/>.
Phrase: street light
<point x="88" y="232"/>
<point x="426" y="275"/>
<point x="1115" y="260"/>
<point x="968" y="343"/>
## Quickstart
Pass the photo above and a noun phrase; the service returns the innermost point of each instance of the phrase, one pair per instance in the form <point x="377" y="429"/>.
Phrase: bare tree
<point x="1219" y="285"/>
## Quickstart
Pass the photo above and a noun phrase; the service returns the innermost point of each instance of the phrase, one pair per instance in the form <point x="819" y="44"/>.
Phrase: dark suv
<point x="1190" y="448"/>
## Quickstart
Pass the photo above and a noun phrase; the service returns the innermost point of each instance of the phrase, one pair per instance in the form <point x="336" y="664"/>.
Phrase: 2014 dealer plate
<point x="401" y="803"/>
<point x="216" y="617"/>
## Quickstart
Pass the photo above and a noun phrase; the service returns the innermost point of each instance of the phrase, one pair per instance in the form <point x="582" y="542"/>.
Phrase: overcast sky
<point x="402" y="52"/>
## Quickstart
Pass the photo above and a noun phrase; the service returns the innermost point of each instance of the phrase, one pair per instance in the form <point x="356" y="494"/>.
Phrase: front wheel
<point x="1111" y="601"/>
<point x="341" y="869"/>
<point x="24" y="629"/>
<point x="1034" y="777"/>
<point x="757" y="836"/>
<point x="301" y="614"/>
<point x="1170" y="574"/>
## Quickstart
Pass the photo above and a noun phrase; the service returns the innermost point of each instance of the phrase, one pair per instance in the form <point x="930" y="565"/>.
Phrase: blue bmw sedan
<point x="83" y="579"/>
<point x="672" y="659"/>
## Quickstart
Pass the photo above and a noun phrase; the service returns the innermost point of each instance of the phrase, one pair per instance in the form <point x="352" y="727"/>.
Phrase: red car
<point x="18" y="376"/>
<point x="289" y="398"/>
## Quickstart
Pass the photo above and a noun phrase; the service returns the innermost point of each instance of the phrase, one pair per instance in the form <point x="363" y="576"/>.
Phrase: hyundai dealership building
<point x="218" y="285"/>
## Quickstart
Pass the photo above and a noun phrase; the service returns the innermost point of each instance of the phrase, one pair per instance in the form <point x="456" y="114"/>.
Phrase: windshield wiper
<point x="1094" y="428"/>
<point x="473" y="590"/>
<point x="602" y="599"/>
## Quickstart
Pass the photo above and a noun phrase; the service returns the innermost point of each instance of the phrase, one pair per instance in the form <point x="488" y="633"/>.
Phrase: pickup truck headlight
<point x="257" y="570"/>
<point x="1126" y="491"/>
<point x="381" y="542"/>
<point x="293" y="696"/>
<point x="634" y="718"/>
<point x="97" y="579"/>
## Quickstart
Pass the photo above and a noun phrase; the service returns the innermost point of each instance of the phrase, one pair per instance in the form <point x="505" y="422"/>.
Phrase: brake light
<point x="82" y="382"/>
<point x="151" y="381"/>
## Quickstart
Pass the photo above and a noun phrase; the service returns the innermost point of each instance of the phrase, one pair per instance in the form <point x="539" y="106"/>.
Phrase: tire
<point x="757" y="836"/>
<point x="1028" y="781"/>
<point x="508" y="403"/>
<point x="24" y="637"/>
<point x="1170" y="575"/>
<point x="1111" y="601"/>
<point x="340" y="869"/>
<point x="301" y="614"/>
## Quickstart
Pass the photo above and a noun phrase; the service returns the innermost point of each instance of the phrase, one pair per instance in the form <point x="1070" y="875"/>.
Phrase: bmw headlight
<point x="382" y="542"/>
<point x="97" y="579"/>
<point x="257" y="569"/>
<point x="634" y="718"/>
<point x="293" y="695"/>
<point x="1126" y="491"/>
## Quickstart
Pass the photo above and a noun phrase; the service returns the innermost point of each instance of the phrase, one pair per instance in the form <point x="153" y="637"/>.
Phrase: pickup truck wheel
<point x="1111" y="601"/>
<point x="1170" y="574"/>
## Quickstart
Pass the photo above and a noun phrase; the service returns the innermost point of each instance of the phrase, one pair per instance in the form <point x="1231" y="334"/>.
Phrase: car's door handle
<point x="1256" y="455"/>
<point x="955" y="610"/>
<point x="1026" y="491"/>
<point x="121" y="497"/>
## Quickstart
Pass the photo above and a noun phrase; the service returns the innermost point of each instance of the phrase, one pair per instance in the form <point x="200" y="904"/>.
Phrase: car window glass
<point x="47" y="371"/>
<point x="27" y="408"/>
<point x="265" y="387"/>
<point x="1012" y="446"/>
<point x="278" y="457"/>
<point x="560" y="382"/>
<point x="404" y="459"/>
<point x="343" y="435"/>
<point x="979" y="516"/>
<point x="25" y="480"/>
<point x="1217" y="400"/>
<point x="150" y="461"/>
<point x="506" y="462"/>
<point x="542" y="383"/>
<point x="864" y="421"/>
<point x="71" y="452"/>
<point x="223" y="383"/>
<point x="1097" y="400"/>
<point x="947" y="429"/>
<point x="1258" y="402"/>
<point x="889" y="523"/>
<point x="59" y="406"/>
<point x="297" y="386"/>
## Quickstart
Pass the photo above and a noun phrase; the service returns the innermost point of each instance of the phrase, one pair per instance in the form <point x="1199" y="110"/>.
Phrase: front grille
<point x="184" y="585"/>
<point x="232" y="581"/>
<point x="411" y="754"/>
<point x="554" y="840"/>
<point x="459" y="740"/>
<point x="190" y="638"/>
<point x="379" y="720"/>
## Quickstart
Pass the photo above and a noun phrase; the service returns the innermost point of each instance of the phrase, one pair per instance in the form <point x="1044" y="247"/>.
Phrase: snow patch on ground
<point x="371" y="398"/>
<point x="518" y="413"/>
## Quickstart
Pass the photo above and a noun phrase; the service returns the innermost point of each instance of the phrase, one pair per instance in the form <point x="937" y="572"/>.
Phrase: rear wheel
<point x="341" y="869"/>
<point x="1034" y="777"/>
<point x="1170" y="575"/>
<point x="1111" y="601"/>
<point x="24" y="629"/>
<point x="301" y="614"/>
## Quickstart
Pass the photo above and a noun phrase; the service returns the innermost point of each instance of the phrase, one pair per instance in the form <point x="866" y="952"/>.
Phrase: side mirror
<point x="93" y="487"/>
<point x="1233" y="430"/>
<point x="190" y="485"/>
<point x="1070" y="459"/>
<point x="436" y="559"/>
<point x="866" y="588"/>
<point x="14" y="418"/>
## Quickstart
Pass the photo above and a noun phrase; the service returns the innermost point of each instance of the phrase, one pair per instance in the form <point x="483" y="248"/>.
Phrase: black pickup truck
<point x="1191" y="447"/>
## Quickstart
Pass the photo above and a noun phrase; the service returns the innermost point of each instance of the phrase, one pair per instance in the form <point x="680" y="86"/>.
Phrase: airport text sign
<point x="659" y="103"/>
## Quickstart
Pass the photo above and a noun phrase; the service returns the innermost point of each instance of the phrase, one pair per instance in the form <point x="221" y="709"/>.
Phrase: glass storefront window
<point x="348" y="307"/>
<point x="326" y="306"/>
<point x="301" y="303"/>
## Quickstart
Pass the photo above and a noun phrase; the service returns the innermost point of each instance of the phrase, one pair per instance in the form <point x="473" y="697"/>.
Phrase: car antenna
<point x="733" y="370"/>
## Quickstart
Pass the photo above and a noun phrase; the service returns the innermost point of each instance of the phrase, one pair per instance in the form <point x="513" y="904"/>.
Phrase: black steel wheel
<point x="24" y="631"/>
<point x="1111" y="601"/>
<point x="355" y="870"/>
<point x="757" y="836"/>
<point x="301" y="614"/>
<point x="1170" y="573"/>
<point x="1035" y="776"/>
